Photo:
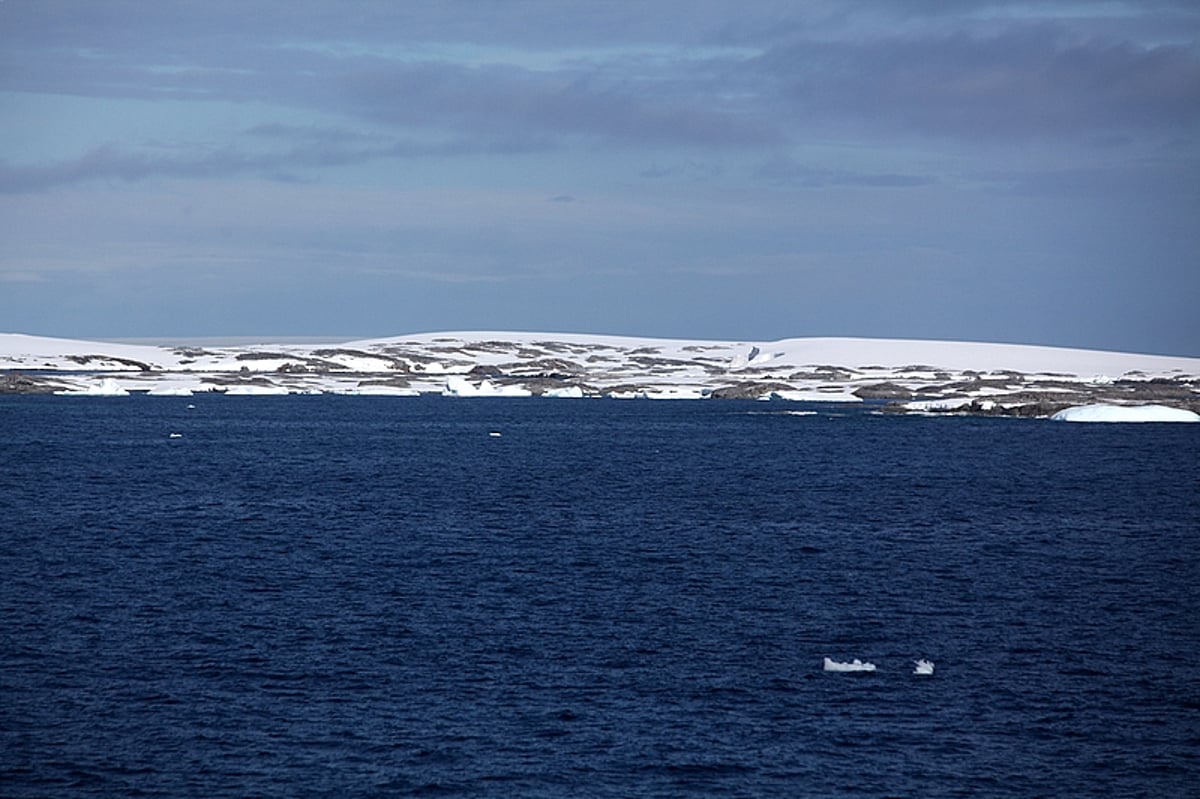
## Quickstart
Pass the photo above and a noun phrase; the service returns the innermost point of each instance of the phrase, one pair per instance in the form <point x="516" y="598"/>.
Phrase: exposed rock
<point x="623" y="367"/>
<point x="823" y="372"/>
<point x="242" y="378"/>
<point x="624" y="389"/>
<point x="544" y="366"/>
<point x="393" y="382"/>
<point x="16" y="383"/>
<point x="84" y="360"/>
<point x="749" y="390"/>
<point x="1036" y="410"/>
<point x="334" y="352"/>
<point x="881" y="391"/>
<point x="262" y="356"/>
<point x="661" y="363"/>
<point x="540" y="385"/>
<point x="292" y="368"/>
<point x="1152" y="390"/>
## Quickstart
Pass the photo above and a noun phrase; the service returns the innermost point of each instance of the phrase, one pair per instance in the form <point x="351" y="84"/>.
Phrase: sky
<point x="1020" y="172"/>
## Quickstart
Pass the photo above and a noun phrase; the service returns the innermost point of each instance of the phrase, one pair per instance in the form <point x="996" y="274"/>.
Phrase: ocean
<point x="360" y="597"/>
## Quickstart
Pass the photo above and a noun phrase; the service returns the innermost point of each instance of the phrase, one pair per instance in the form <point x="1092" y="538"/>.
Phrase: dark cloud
<point x="150" y="24"/>
<point x="1031" y="81"/>
<point x="954" y="69"/>
<point x="563" y="103"/>
<point x="867" y="71"/>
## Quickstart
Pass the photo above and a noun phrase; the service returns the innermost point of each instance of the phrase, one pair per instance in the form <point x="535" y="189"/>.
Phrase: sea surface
<point x="361" y="597"/>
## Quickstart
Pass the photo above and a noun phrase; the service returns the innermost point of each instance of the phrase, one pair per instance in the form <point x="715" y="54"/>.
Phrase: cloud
<point x="1029" y="81"/>
<point x="689" y="168"/>
<point x="717" y="74"/>
<point x="786" y="171"/>
<point x="568" y="103"/>
<point x="290" y="152"/>
<point x="21" y="277"/>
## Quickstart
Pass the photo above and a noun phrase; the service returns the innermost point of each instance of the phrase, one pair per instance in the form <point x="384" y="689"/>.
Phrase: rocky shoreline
<point x="582" y="366"/>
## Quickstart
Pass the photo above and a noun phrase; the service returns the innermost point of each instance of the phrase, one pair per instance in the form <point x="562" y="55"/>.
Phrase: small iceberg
<point x="461" y="387"/>
<point x="854" y="665"/>
<point x="568" y="392"/>
<point x="923" y="667"/>
<point x="175" y="435"/>
<point x="1125" y="413"/>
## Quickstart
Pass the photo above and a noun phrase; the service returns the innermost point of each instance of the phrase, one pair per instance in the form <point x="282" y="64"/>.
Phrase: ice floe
<point x="853" y="665"/>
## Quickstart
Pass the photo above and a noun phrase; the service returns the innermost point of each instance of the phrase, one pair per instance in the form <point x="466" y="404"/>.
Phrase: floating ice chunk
<point x="175" y="435"/>
<point x="570" y="392"/>
<point x="461" y="387"/>
<point x="494" y="434"/>
<point x="1125" y="413"/>
<point x="923" y="667"/>
<point x="854" y="665"/>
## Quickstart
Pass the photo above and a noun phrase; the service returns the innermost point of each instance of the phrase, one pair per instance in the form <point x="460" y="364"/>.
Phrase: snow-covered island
<point x="903" y="376"/>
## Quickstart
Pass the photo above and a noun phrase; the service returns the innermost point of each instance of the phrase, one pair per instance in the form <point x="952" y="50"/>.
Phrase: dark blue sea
<point x="375" y="597"/>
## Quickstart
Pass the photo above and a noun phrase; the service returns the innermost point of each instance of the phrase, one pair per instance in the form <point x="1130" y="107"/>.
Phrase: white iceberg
<point x="854" y="665"/>
<point x="569" y="392"/>
<point x="1125" y="413"/>
<point x="923" y="667"/>
<point x="461" y="387"/>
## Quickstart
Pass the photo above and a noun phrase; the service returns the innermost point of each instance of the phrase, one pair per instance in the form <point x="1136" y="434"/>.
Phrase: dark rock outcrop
<point x="16" y="383"/>
<point x="749" y="390"/>
<point x="883" y="391"/>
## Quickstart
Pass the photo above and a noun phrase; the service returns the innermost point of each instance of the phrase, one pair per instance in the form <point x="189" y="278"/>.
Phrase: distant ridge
<point x="906" y="375"/>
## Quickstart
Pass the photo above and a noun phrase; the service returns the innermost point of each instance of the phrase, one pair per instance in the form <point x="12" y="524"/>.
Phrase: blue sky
<point x="1015" y="172"/>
